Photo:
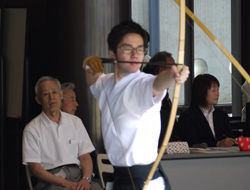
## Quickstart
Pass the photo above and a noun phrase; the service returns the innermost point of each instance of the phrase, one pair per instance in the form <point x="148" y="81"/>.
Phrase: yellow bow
<point x="217" y="42"/>
<point x="177" y="86"/>
<point x="175" y="98"/>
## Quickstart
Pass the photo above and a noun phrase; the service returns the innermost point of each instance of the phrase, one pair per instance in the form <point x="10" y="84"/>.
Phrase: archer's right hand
<point x="93" y="65"/>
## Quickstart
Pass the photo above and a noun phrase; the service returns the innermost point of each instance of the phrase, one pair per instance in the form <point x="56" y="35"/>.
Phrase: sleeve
<point x="97" y="87"/>
<point x="31" y="150"/>
<point x="140" y="94"/>
<point x="85" y="145"/>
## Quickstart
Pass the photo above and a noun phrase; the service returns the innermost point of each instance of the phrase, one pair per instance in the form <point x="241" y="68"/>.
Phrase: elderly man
<point x="69" y="103"/>
<point x="56" y="145"/>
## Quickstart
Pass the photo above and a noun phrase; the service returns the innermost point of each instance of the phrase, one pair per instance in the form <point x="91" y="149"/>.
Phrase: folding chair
<point x="103" y="167"/>
<point x="29" y="174"/>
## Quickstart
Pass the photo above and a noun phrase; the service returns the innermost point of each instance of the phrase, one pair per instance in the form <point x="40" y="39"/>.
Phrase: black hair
<point x="201" y="84"/>
<point x="158" y="57"/>
<point x="147" y="36"/>
<point x="119" y="31"/>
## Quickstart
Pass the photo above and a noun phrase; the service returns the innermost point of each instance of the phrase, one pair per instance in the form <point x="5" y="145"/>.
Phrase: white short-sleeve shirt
<point x="52" y="144"/>
<point x="130" y="118"/>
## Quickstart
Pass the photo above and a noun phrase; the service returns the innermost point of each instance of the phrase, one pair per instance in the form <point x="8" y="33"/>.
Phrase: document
<point x="214" y="150"/>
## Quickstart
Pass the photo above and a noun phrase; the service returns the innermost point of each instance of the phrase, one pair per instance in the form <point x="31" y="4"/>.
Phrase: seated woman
<point x="202" y="122"/>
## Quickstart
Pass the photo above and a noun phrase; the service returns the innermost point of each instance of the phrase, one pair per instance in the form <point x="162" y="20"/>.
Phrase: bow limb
<point x="175" y="98"/>
<point x="217" y="42"/>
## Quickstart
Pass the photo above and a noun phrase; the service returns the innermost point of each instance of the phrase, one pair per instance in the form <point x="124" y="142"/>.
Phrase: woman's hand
<point x="227" y="142"/>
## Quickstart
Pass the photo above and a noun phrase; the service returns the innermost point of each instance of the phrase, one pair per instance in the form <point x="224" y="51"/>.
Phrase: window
<point x="216" y="15"/>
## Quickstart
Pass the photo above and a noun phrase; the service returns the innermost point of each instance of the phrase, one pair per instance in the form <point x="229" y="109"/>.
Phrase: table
<point x="208" y="171"/>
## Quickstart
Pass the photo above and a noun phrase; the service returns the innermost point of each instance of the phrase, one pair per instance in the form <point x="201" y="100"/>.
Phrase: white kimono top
<point x="130" y="118"/>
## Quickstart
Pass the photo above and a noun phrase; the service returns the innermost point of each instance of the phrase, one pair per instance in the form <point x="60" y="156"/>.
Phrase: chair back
<point x="247" y="127"/>
<point x="103" y="167"/>
<point x="29" y="174"/>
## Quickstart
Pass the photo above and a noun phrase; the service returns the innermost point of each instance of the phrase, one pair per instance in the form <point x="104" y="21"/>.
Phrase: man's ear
<point x="37" y="99"/>
<point x="112" y="54"/>
<point x="61" y="93"/>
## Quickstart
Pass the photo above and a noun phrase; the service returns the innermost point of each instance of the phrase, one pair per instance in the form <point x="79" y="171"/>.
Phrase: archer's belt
<point x="138" y="173"/>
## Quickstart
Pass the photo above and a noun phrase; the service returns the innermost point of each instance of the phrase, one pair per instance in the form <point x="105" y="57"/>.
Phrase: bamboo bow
<point x="177" y="86"/>
<point x="217" y="42"/>
<point x="175" y="98"/>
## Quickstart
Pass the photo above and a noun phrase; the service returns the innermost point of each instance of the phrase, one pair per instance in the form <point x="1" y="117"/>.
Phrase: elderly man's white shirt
<point x="130" y="118"/>
<point x="52" y="144"/>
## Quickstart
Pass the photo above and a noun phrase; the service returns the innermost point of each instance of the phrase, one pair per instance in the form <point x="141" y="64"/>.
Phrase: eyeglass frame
<point x="145" y="49"/>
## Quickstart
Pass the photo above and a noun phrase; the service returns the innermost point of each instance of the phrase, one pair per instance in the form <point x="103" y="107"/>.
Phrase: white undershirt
<point x="209" y="117"/>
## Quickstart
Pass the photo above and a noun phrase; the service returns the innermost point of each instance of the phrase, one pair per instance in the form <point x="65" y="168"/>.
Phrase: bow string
<point x="217" y="42"/>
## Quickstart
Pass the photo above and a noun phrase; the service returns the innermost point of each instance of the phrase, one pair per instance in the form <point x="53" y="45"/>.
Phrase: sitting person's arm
<point x="30" y="152"/>
<point x="87" y="168"/>
<point x="227" y="139"/>
<point x="227" y="142"/>
<point x="49" y="178"/>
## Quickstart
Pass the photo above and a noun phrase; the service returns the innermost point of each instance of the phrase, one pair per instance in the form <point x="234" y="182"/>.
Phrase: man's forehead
<point x="132" y="36"/>
<point x="124" y="44"/>
<point x="70" y="92"/>
<point x="49" y="89"/>
<point x="48" y="85"/>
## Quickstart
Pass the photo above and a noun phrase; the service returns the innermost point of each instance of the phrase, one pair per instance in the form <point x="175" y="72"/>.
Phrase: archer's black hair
<point x="119" y="31"/>
<point x="147" y="36"/>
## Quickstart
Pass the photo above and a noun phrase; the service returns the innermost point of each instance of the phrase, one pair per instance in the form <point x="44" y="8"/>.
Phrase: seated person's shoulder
<point x="70" y="117"/>
<point x="189" y="116"/>
<point x="188" y="112"/>
<point x="220" y="111"/>
<point x="33" y="124"/>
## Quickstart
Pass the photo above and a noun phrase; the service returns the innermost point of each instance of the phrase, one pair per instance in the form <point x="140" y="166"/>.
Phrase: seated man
<point x="56" y="145"/>
<point x="163" y="57"/>
<point x="69" y="103"/>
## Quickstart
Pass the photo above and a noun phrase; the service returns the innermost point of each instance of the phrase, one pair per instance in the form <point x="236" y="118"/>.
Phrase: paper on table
<point x="216" y="149"/>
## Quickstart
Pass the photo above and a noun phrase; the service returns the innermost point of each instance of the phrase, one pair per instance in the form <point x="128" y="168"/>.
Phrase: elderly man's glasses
<point x="127" y="49"/>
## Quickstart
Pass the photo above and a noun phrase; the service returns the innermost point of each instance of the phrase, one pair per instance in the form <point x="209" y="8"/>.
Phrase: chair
<point x="103" y="167"/>
<point x="29" y="174"/>
<point x="246" y="131"/>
